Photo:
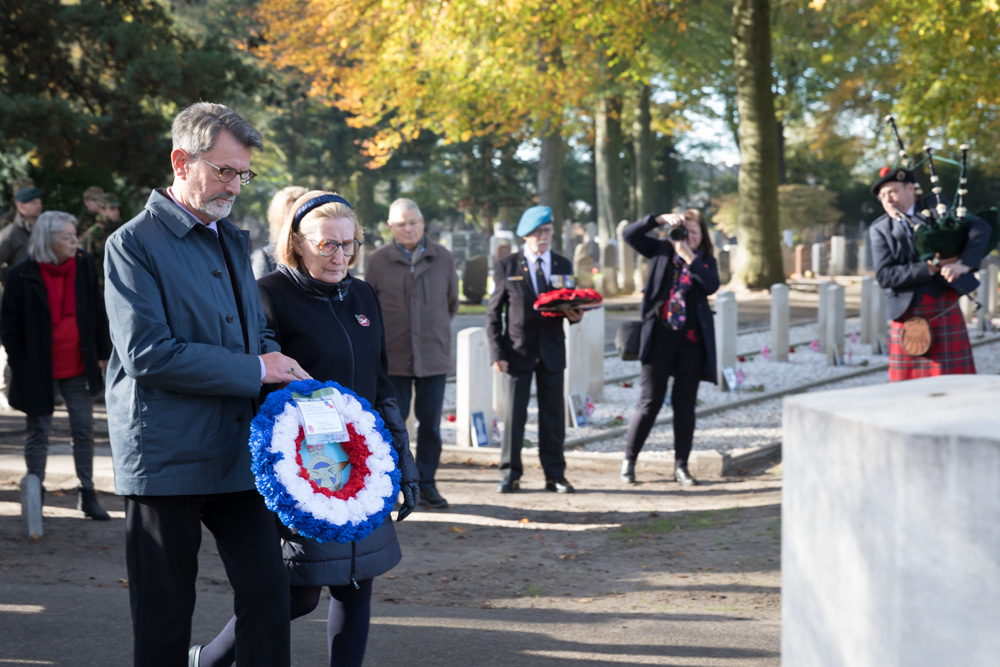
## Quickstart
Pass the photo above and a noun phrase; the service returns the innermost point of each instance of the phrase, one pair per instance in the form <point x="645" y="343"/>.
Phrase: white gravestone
<point x="473" y="383"/>
<point x="819" y="266"/>
<point x="626" y="261"/>
<point x="866" y="335"/>
<point x="835" y="329"/>
<point x="780" y="314"/>
<point x="725" y="335"/>
<point x="822" y="310"/>
<point x="584" y="374"/>
<point x="838" y="255"/>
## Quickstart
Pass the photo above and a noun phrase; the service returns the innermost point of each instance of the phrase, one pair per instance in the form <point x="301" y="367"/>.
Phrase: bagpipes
<point x="943" y="231"/>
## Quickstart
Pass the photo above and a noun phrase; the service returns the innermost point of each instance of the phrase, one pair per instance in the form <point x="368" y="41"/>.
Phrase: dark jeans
<point x="162" y="538"/>
<point x="347" y="624"/>
<point x="685" y="363"/>
<point x="80" y="405"/>
<point x="551" y="422"/>
<point x="427" y="403"/>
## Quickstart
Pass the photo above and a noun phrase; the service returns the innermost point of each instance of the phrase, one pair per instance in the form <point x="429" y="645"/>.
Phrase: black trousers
<point x="685" y="363"/>
<point x="427" y="409"/>
<point x="551" y="422"/>
<point x="162" y="538"/>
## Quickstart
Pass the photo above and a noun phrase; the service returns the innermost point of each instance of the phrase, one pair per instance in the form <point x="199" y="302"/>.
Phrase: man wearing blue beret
<point x="522" y="343"/>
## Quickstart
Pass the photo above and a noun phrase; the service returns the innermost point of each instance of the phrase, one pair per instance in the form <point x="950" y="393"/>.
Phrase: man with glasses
<point x="416" y="281"/>
<point x="523" y="343"/>
<point x="191" y="351"/>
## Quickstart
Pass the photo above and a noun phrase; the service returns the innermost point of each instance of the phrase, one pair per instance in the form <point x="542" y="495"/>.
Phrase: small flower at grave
<point x="617" y="420"/>
<point x="791" y="349"/>
<point x="766" y="353"/>
<point x="756" y="388"/>
<point x="742" y="359"/>
<point x="627" y="385"/>
<point x="451" y="418"/>
<point x="814" y="346"/>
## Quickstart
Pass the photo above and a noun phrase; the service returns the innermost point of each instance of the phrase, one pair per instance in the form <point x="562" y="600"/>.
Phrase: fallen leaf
<point x="457" y="529"/>
<point x="525" y="521"/>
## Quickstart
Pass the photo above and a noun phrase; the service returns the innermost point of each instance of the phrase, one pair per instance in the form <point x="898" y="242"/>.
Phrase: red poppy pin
<point x="362" y="320"/>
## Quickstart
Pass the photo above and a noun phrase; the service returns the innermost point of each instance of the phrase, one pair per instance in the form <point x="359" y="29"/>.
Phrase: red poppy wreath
<point x="556" y="302"/>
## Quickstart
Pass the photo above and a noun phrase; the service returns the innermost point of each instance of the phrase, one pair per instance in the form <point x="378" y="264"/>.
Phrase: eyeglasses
<point x="227" y="174"/>
<point x="408" y="223"/>
<point x="327" y="248"/>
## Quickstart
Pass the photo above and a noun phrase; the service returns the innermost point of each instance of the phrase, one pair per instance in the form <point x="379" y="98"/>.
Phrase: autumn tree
<point x="758" y="178"/>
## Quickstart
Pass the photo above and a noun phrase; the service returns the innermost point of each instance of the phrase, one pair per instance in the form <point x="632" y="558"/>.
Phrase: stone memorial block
<point x="583" y="267"/>
<point x="890" y="544"/>
<point x="725" y="335"/>
<point x="780" y="314"/>
<point x="818" y="260"/>
<point x="802" y="260"/>
<point x="838" y="255"/>
<point x="446" y="238"/>
<point x="867" y="334"/>
<point x="609" y="270"/>
<point x="725" y="275"/>
<point x="567" y="239"/>
<point x="788" y="237"/>
<point x="851" y="258"/>
<point x="864" y="258"/>
<point x="626" y="261"/>
<point x="992" y="272"/>
<point x="880" y="321"/>
<point x="641" y="271"/>
<point x="822" y="311"/>
<point x="584" y="374"/>
<point x="835" y="327"/>
<point x="787" y="261"/>
<point x="473" y="383"/>
<point x="474" y="278"/>
<point x="983" y="323"/>
<point x="968" y="308"/>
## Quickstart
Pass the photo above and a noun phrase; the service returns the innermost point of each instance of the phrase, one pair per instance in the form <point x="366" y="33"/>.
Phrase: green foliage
<point x="88" y="89"/>
<point x="800" y="206"/>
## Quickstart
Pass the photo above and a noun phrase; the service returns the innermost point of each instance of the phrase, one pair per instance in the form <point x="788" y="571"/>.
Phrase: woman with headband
<point x="332" y="324"/>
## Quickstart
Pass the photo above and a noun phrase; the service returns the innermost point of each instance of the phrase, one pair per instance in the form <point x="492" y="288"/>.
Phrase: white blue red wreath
<point x="361" y="503"/>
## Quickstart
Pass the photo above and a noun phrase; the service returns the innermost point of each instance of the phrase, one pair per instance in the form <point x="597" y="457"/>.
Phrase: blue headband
<point x="316" y="202"/>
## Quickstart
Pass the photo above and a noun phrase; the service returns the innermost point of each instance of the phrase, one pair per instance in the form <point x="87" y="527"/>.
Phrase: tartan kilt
<point x="950" y="352"/>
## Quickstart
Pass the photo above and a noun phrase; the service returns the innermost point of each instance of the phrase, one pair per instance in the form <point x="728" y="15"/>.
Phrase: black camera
<point x="678" y="233"/>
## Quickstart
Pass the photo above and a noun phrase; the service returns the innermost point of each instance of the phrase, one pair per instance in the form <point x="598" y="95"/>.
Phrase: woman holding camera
<point x="678" y="335"/>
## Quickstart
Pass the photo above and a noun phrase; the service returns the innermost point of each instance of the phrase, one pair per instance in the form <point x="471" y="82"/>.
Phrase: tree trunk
<point x="550" y="170"/>
<point x="642" y="149"/>
<point x="758" y="178"/>
<point x="608" y="144"/>
<point x="364" y="202"/>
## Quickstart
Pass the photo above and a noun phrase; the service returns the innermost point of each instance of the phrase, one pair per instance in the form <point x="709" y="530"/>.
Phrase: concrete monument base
<point x="890" y="530"/>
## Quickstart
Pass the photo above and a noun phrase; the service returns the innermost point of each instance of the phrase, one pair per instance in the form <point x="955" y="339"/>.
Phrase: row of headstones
<point x="481" y="390"/>
<point x="842" y="258"/>
<point x="831" y="324"/>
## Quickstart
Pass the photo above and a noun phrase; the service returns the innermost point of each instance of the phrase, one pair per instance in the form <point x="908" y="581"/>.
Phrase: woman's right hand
<point x="670" y="219"/>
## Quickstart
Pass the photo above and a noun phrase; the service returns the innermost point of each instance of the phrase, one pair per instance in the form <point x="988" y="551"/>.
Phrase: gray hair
<point x="407" y="204"/>
<point x="46" y="229"/>
<point x="196" y="128"/>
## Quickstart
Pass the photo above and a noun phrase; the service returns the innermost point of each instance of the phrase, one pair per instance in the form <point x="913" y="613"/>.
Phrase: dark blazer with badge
<point x="336" y="332"/>
<point x="523" y="337"/>
<point x="903" y="276"/>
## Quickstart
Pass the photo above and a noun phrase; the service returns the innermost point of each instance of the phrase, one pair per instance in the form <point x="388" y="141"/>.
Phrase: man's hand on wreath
<point x="574" y="315"/>
<point x="410" y="492"/>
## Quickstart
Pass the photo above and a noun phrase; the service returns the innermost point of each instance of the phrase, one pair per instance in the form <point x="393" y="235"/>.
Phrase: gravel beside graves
<point x="744" y="426"/>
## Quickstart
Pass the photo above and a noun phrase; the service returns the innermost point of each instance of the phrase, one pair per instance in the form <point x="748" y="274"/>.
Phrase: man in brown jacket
<point x="417" y="284"/>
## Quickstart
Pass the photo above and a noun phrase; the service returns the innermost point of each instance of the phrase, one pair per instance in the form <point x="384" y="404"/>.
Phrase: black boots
<point x="682" y="475"/>
<point x="628" y="471"/>
<point x="89" y="507"/>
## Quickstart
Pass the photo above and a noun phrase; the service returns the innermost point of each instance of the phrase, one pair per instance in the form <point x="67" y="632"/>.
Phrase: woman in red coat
<point x="55" y="329"/>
